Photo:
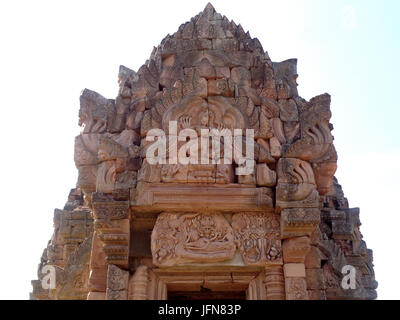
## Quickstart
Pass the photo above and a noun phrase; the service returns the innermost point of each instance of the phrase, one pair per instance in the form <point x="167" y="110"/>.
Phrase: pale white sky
<point x="51" y="50"/>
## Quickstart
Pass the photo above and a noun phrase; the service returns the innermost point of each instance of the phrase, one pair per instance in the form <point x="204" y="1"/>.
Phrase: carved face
<point x="204" y="118"/>
<point x="229" y="122"/>
<point x="102" y="155"/>
<point x="207" y="226"/>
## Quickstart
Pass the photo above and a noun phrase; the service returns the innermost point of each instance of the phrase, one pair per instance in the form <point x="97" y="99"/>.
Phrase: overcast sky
<point x="51" y="50"/>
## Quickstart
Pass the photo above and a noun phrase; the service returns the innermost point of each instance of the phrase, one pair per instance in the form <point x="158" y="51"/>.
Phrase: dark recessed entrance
<point x="230" y="283"/>
<point x="206" y="295"/>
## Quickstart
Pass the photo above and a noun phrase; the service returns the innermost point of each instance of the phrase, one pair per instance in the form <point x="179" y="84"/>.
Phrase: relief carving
<point x="316" y="137"/>
<point x="201" y="173"/>
<point x="117" y="279"/>
<point x="106" y="176"/>
<point x="295" y="171"/>
<point x="257" y="235"/>
<point x="299" y="221"/>
<point x="296" y="184"/>
<point x="95" y="112"/>
<point x="191" y="237"/>
<point x="296" y="289"/>
<point x="174" y="173"/>
<point x="224" y="174"/>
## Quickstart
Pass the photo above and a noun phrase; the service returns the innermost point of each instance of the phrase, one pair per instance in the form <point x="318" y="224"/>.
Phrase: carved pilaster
<point x="138" y="284"/>
<point x="294" y="254"/>
<point x="112" y="224"/>
<point x="256" y="289"/>
<point x="117" y="283"/>
<point x="275" y="283"/>
<point x="156" y="288"/>
<point x="296" y="289"/>
<point x="98" y="270"/>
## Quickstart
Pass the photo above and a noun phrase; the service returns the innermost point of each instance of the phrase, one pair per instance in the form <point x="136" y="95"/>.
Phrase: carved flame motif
<point x="257" y="235"/>
<point x="191" y="237"/>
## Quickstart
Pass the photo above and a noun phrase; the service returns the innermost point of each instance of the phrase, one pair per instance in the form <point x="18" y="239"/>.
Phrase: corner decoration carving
<point x="191" y="237"/>
<point x="257" y="236"/>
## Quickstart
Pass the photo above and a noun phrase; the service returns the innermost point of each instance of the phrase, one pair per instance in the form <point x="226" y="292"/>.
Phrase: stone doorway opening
<point x="228" y="284"/>
<point x="206" y="294"/>
<point x="218" y="289"/>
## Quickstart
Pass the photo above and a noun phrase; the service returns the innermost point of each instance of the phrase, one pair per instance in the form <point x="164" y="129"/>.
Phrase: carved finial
<point x="209" y="7"/>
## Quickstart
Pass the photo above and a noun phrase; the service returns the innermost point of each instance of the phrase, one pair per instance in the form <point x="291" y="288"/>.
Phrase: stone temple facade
<point x="135" y="230"/>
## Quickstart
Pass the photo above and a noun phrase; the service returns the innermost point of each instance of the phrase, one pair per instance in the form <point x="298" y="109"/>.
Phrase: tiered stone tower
<point x="134" y="230"/>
